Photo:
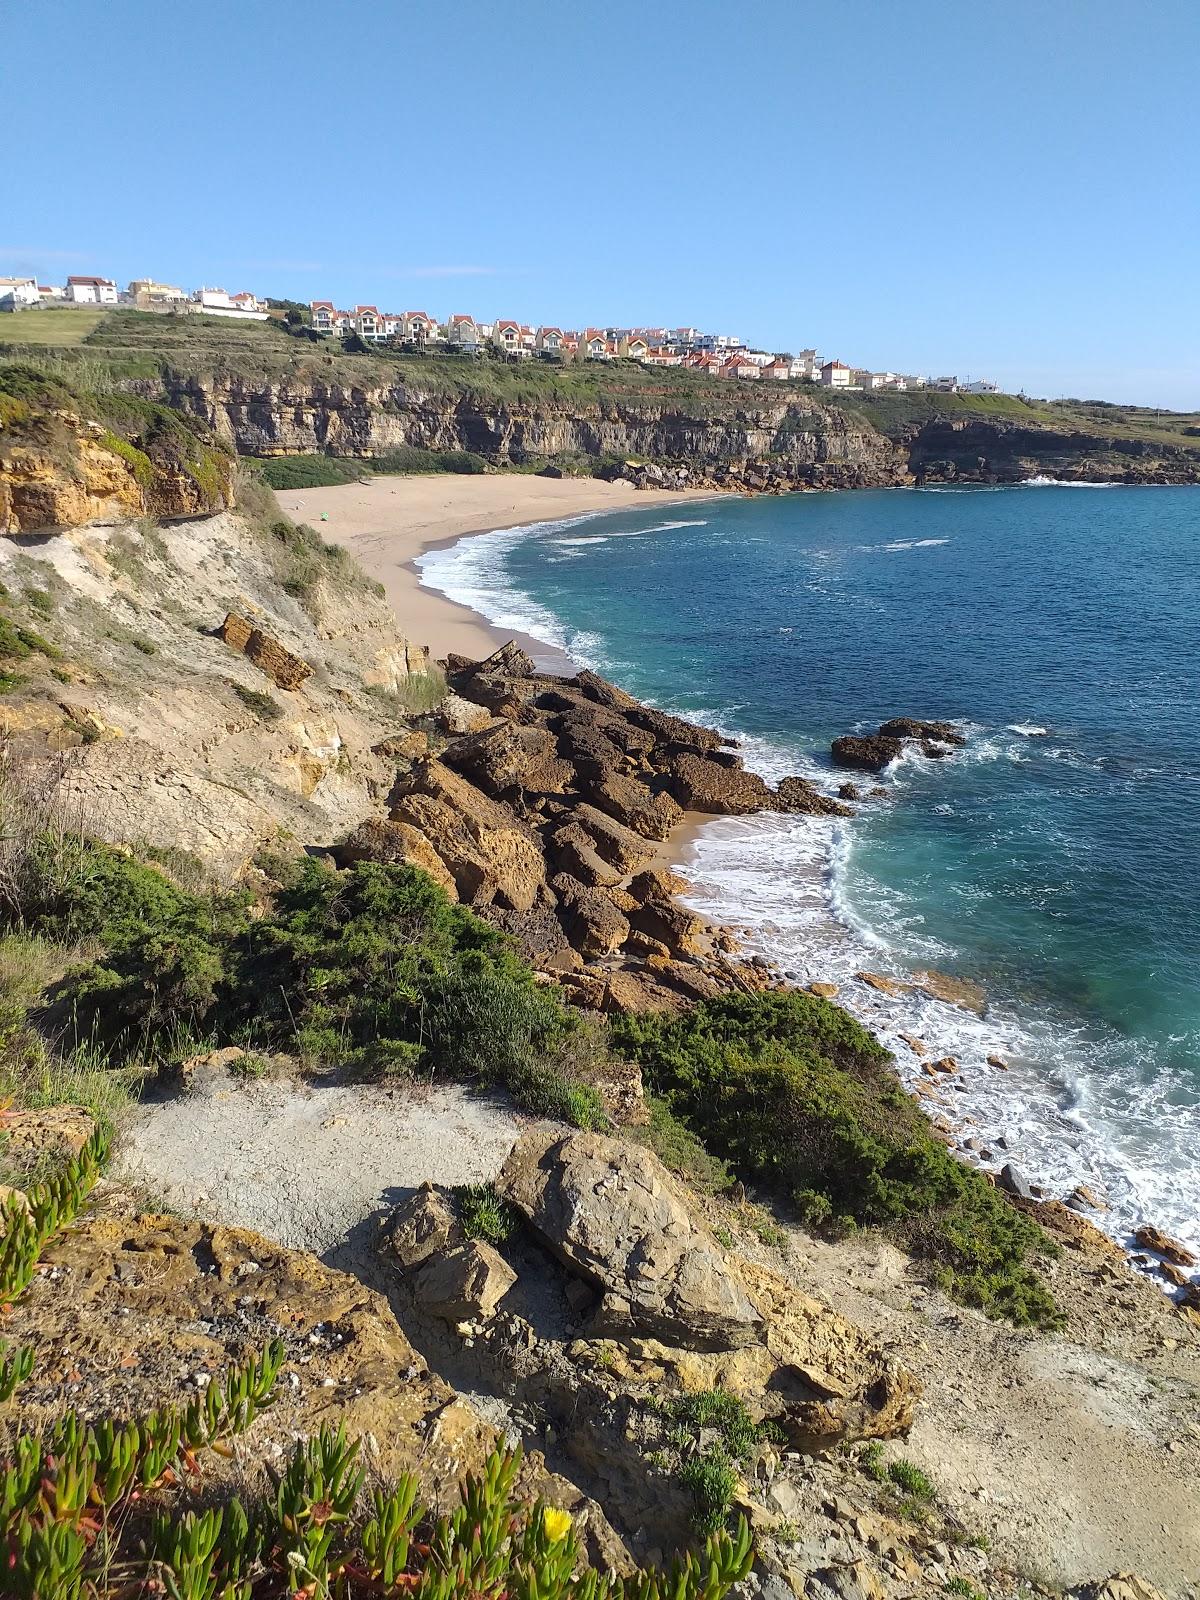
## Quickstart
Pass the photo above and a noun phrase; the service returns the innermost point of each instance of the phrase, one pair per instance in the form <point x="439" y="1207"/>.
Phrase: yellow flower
<point x="556" y="1523"/>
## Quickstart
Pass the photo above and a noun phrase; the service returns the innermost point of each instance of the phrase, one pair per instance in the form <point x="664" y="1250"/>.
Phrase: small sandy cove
<point x="388" y="522"/>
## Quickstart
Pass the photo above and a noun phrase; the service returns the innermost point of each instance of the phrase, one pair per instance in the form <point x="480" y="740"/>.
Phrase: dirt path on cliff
<point x="310" y="1166"/>
<point x="1077" y="1454"/>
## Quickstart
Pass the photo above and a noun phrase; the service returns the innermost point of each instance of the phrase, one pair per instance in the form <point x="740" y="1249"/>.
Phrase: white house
<point x="509" y="337"/>
<point x="369" y="324"/>
<point x="981" y="386"/>
<point x="91" y="291"/>
<point x="218" y="303"/>
<point x="16" y="292"/>
<point x="462" y="331"/>
<point x="418" y="327"/>
<point x="835" y="375"/>
<point x="324" y="315"/>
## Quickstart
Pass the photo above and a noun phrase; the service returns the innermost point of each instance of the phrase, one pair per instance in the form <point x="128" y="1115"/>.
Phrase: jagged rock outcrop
<point x="131" y="1308"/>
<point x="622" y="1298"/>
<point x="545" y="820"/>
<point x="285" y="669"/>
<point x="872" y="752"/>
<point x="61" y="470"/>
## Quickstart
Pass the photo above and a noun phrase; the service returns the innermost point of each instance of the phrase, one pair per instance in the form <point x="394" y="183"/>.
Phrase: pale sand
<point x="388" y="522"/>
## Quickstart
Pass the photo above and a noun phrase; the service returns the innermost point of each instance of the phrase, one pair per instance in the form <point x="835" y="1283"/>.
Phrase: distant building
<point x="92" y="291"/>
<point x="981" y="386"/>
<point x="549" y="342"/>
<point x="779" y="369"/>
<point x="593" y="345"/>
<point x="16" y="292"/>
<point x="148" y="295"/>
<point x="740" y="367"/>
<point x="324" y="315"/>
<point x="51" y="291"/>
<point x="462" y="331"/>
<point x="419" y="328"/>
<point x="634" y="346"/>
<point x="944" y="385"/>
<point x="507" y="336"/>
<point x="835" y="375"/>
<point x="218" y="303"/>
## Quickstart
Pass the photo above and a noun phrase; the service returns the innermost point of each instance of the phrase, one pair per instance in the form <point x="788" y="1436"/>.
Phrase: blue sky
<point x="1005" y="188"/>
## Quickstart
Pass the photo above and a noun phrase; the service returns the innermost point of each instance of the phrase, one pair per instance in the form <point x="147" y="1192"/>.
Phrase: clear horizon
<point x="933" y="188"/>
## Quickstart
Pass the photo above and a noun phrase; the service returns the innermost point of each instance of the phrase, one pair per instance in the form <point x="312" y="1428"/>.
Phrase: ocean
<point x="1055" y="859"/>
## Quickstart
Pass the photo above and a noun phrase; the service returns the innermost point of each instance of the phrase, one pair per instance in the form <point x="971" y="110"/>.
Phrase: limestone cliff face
<point x="760" y="440"/>
<point x="808" y="442"/>
<point x="69" y="471"/>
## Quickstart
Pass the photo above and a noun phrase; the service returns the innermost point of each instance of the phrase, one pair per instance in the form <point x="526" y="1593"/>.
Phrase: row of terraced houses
<point x="720" y="355"/>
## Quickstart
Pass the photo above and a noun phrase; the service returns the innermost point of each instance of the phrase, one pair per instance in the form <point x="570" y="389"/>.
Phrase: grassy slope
<point x="56" y="327"/>
<point x="132" y="344"/>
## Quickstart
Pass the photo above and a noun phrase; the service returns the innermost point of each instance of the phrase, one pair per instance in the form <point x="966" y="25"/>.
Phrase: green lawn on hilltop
<point x="56" y="326"/>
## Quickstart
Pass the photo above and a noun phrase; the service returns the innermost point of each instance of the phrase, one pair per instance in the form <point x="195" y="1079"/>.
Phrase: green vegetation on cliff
<point x="793" y="1092"/>
<point x="374" y="970"/>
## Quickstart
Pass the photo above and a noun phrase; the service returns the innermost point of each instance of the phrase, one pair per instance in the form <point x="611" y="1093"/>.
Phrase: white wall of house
<point x="21" y="291"/>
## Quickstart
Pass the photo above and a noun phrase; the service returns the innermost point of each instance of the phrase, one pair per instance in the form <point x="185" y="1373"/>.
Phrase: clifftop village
<point x="717" y="354"/>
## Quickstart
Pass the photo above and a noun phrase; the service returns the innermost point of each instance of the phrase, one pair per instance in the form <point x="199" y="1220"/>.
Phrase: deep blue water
<point x="1059" y="868"/>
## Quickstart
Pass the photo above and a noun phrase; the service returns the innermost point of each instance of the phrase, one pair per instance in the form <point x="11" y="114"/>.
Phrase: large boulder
<point x="615" y="1216"/>
<point x="465" y="1284"/>
<point x="700" y="783"/>
<point x="538" y="935"/>
<point x="391" y="843"/>
<point x="285" y="669"/>
<point x="634" y="805"/>
<point x="489" y="851"/>
<point x="625" y="850"/>
<point x="914" y="728"/>
<point x="508" y="756"/>
<point x="575" y="853"/>
<point x="592" y="922"/>
<point x="798" y="795"/>
<point x="420" y="1227"/>
<point x="1148" y="1237"/>
<point x="869" y="752"/>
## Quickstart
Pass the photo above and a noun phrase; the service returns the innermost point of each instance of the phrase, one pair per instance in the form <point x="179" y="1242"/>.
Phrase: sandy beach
<point x="388" y="522"/>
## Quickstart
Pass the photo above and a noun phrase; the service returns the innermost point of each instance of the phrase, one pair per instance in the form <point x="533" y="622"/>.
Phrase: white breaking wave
<point x="1043" y="482"/>
<point x="1031" y="730"/>
<point x="892" y="545"/>
<point x="791" y="886"/>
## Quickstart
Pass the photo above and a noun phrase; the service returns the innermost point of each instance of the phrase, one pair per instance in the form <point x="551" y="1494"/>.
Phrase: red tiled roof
<point x="96" y="282"/>
<point x="320" y="305"/>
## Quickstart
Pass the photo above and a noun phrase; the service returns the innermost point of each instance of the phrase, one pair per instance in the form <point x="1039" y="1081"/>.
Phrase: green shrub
<point x="483" y="1214"/>
<point x="40" y="600"/>
<point x="306" y="472"/>
<point x="262" y="704"/>
<point x="144" y="646"/>
<point x="793" y="1092"/>
<point x="909" y="1478"/>
<point x="710" y="1480"/>
<point x="16" y="642"/>
<point x="138" y="460"/>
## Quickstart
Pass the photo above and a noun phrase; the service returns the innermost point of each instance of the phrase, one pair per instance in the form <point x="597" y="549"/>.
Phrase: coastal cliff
<point x="790" y="440"/>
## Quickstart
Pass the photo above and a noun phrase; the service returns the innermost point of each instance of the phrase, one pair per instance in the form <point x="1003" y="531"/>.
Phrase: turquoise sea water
<point x="1056" y="860"/>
